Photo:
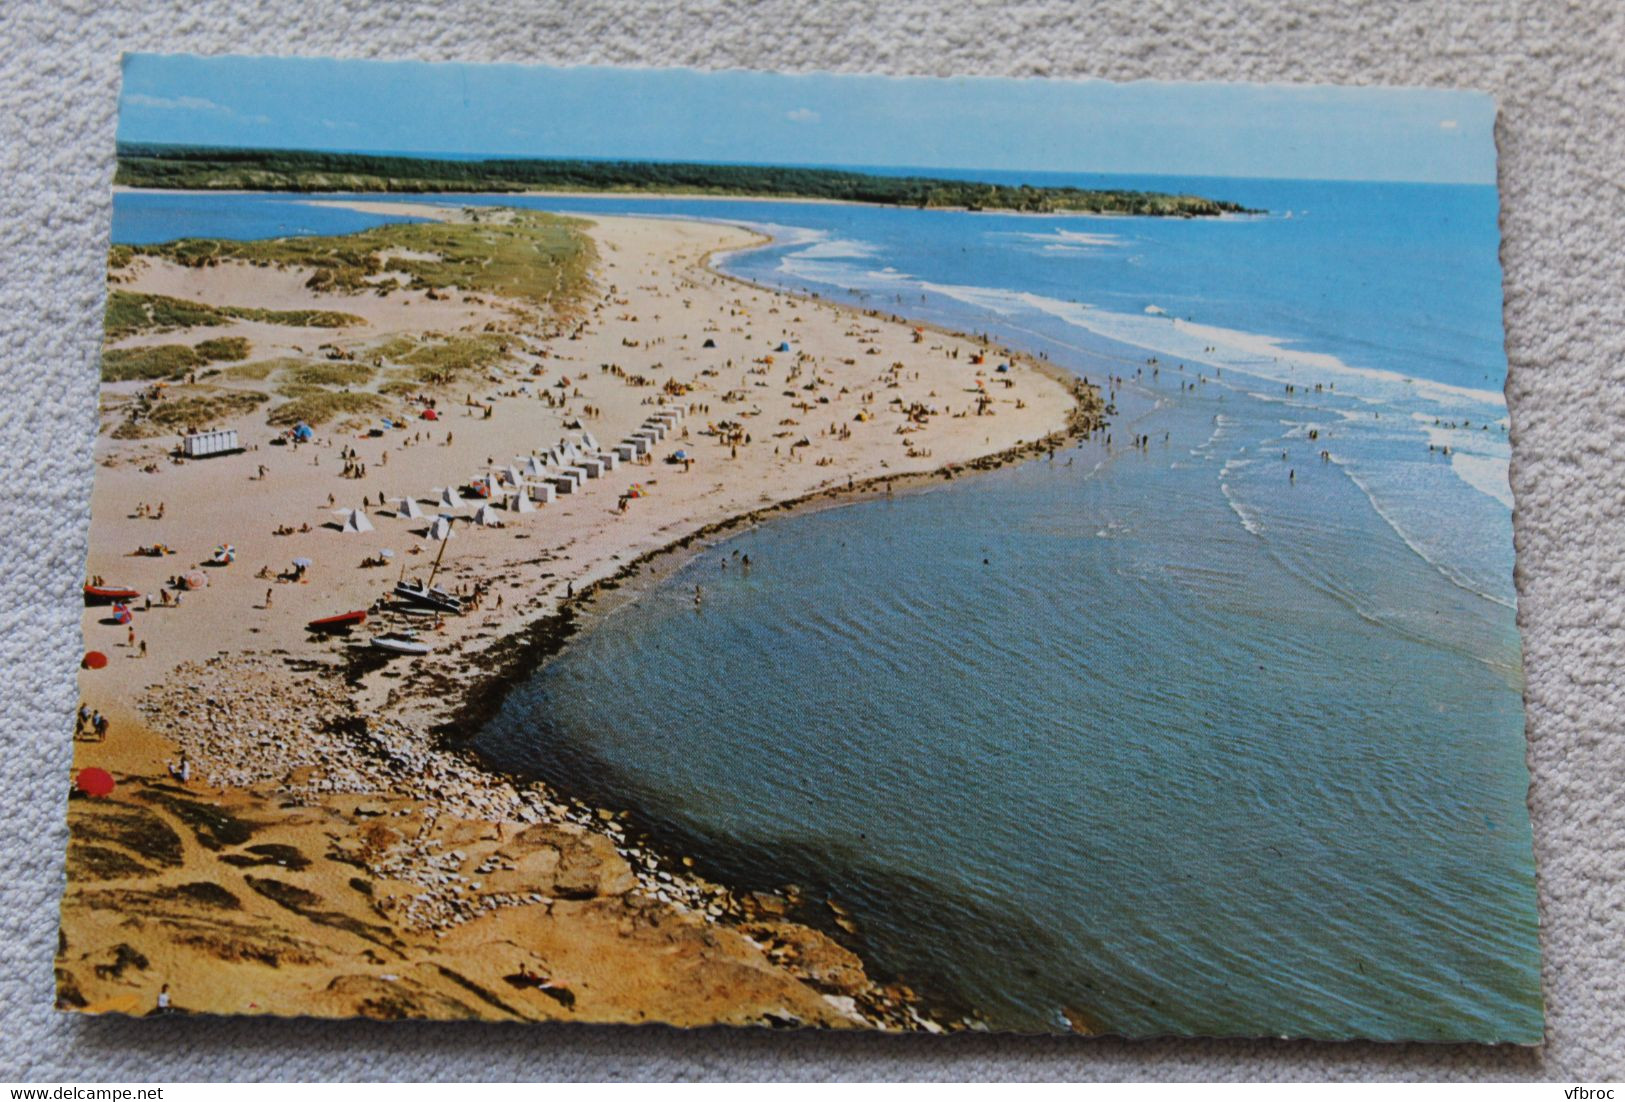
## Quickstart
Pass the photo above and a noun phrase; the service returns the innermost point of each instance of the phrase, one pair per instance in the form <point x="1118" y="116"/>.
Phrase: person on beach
<point x="268" y="598"/>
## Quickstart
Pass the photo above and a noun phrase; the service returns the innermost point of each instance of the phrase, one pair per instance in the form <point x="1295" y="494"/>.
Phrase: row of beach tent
<point x="563" y="468"/>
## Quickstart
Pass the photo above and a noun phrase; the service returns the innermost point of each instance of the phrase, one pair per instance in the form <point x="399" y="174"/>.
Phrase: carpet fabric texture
<point x="1558" y="72"/>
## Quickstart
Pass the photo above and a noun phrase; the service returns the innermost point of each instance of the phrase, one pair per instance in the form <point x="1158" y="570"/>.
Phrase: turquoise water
<point x="1165" y="736"/>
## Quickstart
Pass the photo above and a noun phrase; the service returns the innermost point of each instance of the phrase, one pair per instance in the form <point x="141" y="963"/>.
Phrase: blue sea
<point x="1222" y="735"/>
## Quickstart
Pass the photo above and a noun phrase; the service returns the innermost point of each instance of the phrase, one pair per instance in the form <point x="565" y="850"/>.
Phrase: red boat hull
<point x="106" y="594"/>
<point x="344" y="621"/>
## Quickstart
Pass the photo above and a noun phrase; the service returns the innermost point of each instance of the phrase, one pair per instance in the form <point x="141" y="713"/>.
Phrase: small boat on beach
<point x="107" y="594"/>
<point x="429" y="596"/>
<point x="344" y="621"/>
<point x="400" y="642"/>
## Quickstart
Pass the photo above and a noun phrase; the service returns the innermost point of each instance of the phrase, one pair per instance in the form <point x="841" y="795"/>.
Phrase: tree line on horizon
<point x="185" y="167"/>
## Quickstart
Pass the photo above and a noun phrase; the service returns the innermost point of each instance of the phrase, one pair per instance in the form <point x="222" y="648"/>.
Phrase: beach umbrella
<point x="386" y="553"/>
<point x="94" y="782"/>
<point x="225" y="553"/>
<point x="430" y="415"/>
<point x="195" y="579"/>
<point x="306" y="563"/>
<point x="94" y="660"/>
<point x="122" y="614"/>
<point x="680" y="454"/>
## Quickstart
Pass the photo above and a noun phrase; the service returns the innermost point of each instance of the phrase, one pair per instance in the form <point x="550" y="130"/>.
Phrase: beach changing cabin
<point x="200" y="445"/>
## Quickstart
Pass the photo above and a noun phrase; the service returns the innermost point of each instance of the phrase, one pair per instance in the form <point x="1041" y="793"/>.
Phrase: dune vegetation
<point x="532" y="257"/>
<point x="130" y="313"/>
<point x="196" y="408"/>
<point x="170" y="361"/>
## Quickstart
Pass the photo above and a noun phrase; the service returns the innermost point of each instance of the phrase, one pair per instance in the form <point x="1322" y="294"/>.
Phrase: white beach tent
<point x="534" y="467"/>
<point x="449" y="498"/>
<point x="441" y="529"/>
<point x="409" y="509"/>
<point x="486" y="514"/>
<point x="354" y="520"/>
<point x="590" y="441"/>
<point x="511" y="473"/>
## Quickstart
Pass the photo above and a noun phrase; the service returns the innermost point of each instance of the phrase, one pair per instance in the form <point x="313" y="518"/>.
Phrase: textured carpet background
<point x="1558" y="71"/>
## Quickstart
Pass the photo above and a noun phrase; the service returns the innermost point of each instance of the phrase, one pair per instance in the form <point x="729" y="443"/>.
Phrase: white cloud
<point x="1448" y="124"/>
<point x="802" y="114"/>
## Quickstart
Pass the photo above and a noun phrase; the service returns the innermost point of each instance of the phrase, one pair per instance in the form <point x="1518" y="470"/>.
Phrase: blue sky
<point x="1315" y="131"/>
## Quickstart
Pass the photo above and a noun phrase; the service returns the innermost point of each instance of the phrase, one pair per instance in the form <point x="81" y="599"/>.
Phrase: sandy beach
<point x="327" y="848"/>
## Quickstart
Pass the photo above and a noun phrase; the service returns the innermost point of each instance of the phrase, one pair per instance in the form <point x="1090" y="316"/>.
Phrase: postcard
<point x="651" y="546"/>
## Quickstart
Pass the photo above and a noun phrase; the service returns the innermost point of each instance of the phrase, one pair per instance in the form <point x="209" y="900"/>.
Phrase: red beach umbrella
<point x="94" y="782"/>
<point x="94" y="660"/>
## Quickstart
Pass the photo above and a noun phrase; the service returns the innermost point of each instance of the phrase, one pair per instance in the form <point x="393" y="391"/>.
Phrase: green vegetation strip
<point x="534" y="257"/>
<point x="206" y="407"/>
<point x="158" y="166"/>
<point x="169" y="361"/>
<point x="130" y="312"/>
<point x="321" y="406"/>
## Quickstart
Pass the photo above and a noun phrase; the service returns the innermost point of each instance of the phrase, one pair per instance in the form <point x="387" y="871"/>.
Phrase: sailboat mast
<point x="436" y="569"/>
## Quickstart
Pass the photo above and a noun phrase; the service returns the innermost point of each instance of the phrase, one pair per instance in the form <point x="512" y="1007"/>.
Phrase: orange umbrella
<point x="94" y="660"/>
